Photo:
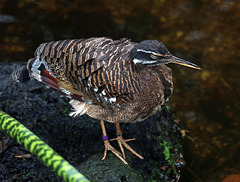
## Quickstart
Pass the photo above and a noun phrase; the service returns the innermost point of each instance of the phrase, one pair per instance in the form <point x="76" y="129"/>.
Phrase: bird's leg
<point x="122" y="142"/>
<point x="108" y="146"/>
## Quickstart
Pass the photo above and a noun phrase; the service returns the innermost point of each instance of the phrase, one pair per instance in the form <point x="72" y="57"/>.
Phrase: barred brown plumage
<point x="116" y="81"/>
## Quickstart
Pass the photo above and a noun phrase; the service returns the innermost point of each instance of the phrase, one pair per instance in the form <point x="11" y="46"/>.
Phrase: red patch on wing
<point x="53" y="83"/>
<point x="50" y="80"/>
<point x="77" y="97"/>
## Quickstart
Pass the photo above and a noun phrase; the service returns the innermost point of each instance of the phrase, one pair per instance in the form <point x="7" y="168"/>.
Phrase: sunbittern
<point x="115" y="81"/>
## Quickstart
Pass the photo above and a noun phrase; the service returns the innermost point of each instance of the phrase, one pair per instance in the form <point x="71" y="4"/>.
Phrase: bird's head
<point x="153" y="53"/>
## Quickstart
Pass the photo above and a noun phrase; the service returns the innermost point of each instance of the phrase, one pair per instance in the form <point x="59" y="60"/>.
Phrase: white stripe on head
<point x="139" y="61"/>
<point x="150" y="52"/>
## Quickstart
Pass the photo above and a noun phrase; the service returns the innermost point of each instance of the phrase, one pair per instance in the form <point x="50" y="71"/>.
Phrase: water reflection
<point x="204" y="32"/>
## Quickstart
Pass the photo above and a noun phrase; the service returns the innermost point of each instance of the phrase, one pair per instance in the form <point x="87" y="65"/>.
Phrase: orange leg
<point x="122" y="142"/>
<point x="108" y="146"/>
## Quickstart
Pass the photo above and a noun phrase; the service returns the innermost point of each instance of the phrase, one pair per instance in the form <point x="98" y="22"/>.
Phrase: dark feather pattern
<point x="101" y="73"/>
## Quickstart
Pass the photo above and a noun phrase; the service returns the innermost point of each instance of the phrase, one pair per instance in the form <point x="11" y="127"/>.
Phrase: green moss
<point x="166" y="151"/>
<point x="167" y="108"/>
<point x="166" y="148"/>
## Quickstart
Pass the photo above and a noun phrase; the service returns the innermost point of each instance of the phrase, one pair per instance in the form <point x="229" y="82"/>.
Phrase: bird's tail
<point x="40" y="71"/>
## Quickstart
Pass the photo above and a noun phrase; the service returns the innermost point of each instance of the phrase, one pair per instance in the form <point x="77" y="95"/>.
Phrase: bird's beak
<point x="176" y="60"/>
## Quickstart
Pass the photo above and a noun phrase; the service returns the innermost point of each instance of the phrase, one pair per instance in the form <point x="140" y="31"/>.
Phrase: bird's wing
<point x="95" y="70"/>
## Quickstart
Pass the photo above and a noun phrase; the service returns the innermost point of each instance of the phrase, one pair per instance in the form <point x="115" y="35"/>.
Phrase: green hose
<point x="36" y="146"/>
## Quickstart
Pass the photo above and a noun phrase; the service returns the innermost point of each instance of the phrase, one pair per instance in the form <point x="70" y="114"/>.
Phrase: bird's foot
<point x="108" y="146"/>
<point x="122" y="142"/>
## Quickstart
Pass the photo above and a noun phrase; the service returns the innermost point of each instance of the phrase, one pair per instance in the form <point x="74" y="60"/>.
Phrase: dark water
<point x="201" y="31"/>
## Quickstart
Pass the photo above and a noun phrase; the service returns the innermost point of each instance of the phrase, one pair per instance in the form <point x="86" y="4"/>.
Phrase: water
<point x="203" y="32"/>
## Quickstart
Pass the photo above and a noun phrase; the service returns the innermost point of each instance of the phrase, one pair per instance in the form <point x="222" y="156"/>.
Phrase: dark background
<point x="201" y="31"/>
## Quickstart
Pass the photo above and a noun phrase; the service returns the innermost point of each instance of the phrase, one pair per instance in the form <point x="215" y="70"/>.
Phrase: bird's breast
<point x="155" y="89"/>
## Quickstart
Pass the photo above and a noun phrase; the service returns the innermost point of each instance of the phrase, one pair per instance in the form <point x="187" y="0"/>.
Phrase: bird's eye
<point x="153" y="56"/>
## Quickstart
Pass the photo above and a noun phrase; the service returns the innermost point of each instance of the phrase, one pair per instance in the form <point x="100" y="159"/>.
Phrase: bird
<point x="117" y="81"/>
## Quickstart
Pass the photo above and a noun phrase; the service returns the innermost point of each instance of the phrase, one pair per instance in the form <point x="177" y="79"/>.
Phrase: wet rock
<point x="108" y="170"/>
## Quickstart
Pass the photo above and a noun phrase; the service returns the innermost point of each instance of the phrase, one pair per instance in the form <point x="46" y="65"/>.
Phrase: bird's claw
<point x="122" y="142"/>
<point x="108" y="146"/>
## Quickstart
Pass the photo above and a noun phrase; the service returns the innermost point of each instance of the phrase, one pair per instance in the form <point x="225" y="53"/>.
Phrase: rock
<point x="78" y="140"/>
